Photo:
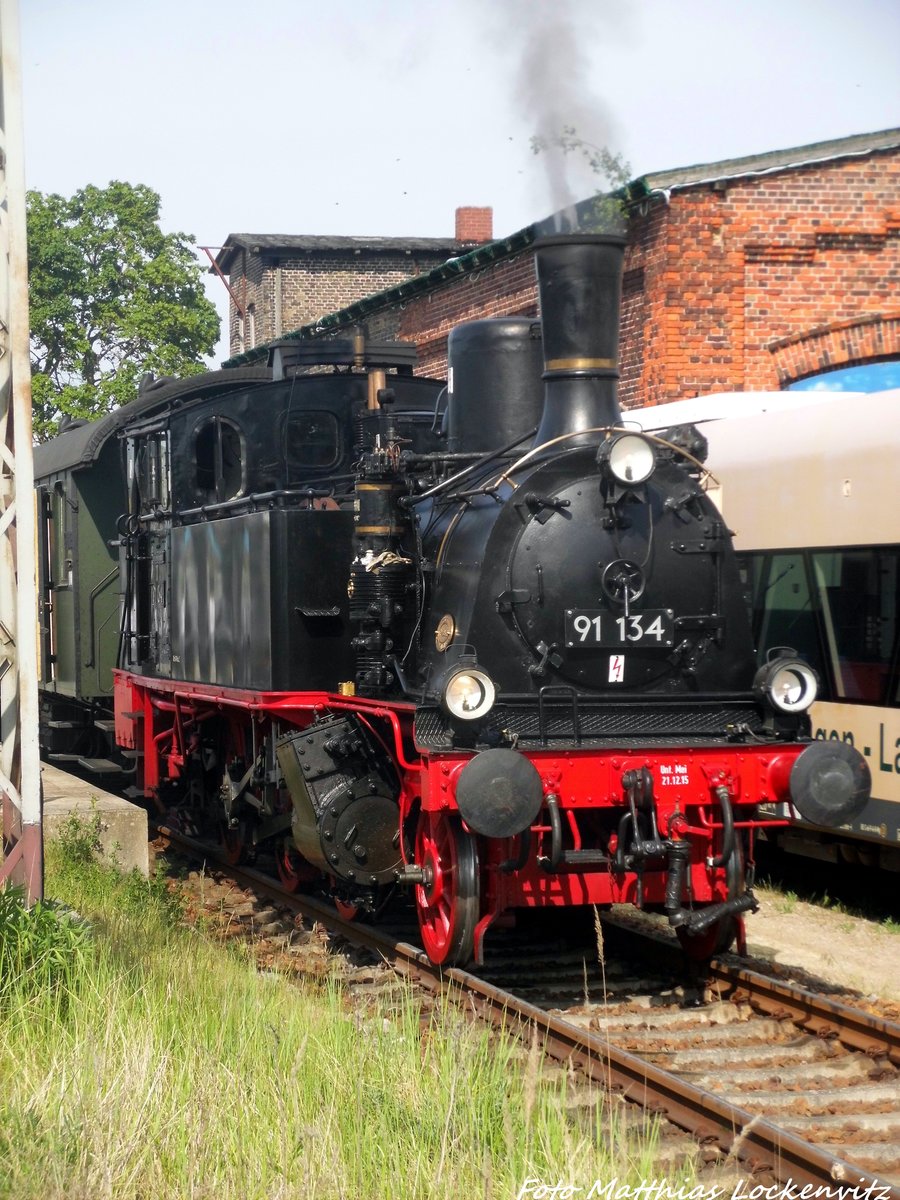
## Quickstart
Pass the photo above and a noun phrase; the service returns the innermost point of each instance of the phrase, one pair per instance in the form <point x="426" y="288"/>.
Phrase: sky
<point x="381" y="117"/>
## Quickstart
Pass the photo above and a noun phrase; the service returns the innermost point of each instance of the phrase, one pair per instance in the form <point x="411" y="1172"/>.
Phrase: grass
<point x="851" y="890"/>
<point x="786" y="900"/>
<point x="139" y="1060"/>
<point x="43" y="953"/>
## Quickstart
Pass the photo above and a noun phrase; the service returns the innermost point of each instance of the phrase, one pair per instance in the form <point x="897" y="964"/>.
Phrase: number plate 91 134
<point x="595" y="627"/>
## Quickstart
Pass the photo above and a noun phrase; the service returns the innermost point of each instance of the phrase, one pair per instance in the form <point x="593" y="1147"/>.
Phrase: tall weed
<point x="92" y="884"/>
<point x="43" y="950"/>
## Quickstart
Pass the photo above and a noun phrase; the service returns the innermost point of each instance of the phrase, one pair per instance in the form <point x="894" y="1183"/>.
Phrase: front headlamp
<point x="789" y="685"/>
<point x="468" y="694"/>
<point x="628" y="457"/>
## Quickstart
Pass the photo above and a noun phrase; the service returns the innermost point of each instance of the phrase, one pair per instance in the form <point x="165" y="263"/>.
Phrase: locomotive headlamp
<point x="628" y="457"/>
<point x="468" y="694"/>
<point x="788" y="684"/>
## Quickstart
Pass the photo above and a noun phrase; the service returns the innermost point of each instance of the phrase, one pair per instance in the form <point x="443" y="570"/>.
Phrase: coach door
<point x="147" y="567"/>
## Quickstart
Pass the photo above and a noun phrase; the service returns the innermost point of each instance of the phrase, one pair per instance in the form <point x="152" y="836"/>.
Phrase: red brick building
<point x="739" y="275"/>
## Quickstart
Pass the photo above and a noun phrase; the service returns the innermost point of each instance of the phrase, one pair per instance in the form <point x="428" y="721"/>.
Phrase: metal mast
<point x="20" y="772"/>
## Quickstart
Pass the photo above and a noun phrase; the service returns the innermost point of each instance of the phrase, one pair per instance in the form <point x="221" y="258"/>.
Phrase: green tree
<point x="605" y="212"/>
<point x="111" y="297"/>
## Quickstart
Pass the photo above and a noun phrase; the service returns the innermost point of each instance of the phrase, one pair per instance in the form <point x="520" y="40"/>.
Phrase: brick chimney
<point x="474" y="224"/>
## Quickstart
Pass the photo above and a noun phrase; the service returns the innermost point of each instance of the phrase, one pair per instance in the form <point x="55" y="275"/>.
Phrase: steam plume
<point x="556" y="46"/>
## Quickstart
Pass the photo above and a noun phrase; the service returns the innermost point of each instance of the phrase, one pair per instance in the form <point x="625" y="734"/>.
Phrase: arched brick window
<point x="873" y="338"/>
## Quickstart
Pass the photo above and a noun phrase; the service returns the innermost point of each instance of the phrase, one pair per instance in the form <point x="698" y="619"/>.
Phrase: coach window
<point x="311" y="442"/>
<point x="858" y="595"/>
<point x="60" y="537"/>
<point x="219" y="455"/>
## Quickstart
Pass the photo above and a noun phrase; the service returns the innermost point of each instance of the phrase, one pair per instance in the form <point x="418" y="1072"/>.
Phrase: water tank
<point x="495" y="385"/>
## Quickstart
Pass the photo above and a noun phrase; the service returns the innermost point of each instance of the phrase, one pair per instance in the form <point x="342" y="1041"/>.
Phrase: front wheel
<point x="447" y="902"/>
<point x="715" y="940"/>
<point x="721" y="934"/>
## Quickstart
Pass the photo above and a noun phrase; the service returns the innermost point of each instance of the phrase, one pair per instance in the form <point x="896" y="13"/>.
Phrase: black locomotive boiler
<point x="500" y="657"/>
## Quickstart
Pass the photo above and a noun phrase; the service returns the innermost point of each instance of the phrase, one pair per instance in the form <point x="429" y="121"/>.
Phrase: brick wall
<point x="313" y="286"/>
<point x="741" y="287"/>
<point x="506" y="288"/>
<point x="746" y="284"/>
<point x="246" y="280"/>
<point x="763" y="282"/>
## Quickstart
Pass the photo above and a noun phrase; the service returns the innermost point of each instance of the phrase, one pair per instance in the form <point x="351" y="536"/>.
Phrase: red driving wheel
<point x="293" y="869"/>
<point x="345" y="910"/>
<point x="233" y="842"/>
<point x="447" y="902"/>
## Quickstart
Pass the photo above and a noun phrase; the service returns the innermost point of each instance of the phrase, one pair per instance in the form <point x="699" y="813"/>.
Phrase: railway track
<point x="794" y="1086"/>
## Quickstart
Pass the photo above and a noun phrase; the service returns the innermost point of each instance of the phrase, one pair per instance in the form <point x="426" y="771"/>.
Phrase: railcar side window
<point x="783" y="606"/>
<point x="219" y="456"/>
<point x="858" y="595"/>
<point x="839" y="609"/>
<point x="311" y="441"/>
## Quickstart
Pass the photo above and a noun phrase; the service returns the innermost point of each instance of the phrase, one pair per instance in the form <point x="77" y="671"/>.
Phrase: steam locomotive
<point x="482" y="641"/>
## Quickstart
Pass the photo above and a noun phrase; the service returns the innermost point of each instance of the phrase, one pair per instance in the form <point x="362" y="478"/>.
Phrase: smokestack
<point x="474" y="224"/>
<point x="580" y="285"/>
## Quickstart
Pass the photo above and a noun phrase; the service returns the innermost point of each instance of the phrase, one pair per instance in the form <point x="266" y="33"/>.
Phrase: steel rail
<point x="758" y="1143"/>
<point x="853" y="1027"/>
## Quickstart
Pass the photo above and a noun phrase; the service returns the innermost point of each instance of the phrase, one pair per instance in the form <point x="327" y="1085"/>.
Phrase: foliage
<point x="43" y="950"/>
<point x="112" y="297"/>
<point x="78" y="843"/>
<point x="74" y="860"/>
<point x="604" y="212"/>
<point x="601" y="160"/>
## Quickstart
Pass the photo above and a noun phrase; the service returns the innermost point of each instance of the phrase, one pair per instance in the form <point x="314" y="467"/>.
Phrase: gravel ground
<point x="828" y="946"/>
<point x="819" y="947"/>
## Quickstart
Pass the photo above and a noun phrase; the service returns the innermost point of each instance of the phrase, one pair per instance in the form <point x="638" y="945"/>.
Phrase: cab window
<point x="838" y="608"/>
<point x="311" y="442"/>
<point x="784" y="606"/>
<point x="219" y="460"/>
